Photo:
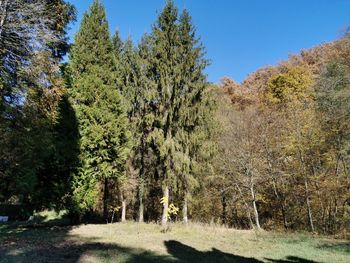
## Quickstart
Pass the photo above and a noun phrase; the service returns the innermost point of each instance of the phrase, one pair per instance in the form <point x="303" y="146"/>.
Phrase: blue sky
<point x="240" y="36"/>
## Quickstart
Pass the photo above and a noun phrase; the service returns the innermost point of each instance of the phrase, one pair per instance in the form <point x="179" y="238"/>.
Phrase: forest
<point x="112" y="130"/>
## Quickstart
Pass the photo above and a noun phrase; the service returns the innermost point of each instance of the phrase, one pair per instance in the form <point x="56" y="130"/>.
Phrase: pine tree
<point x="178" y="65"/>
<point x="144" y="158"/>
<point x="196" y="111"/>
<point x="117" y="43"/>
<point x="138" y="92"/>
<point x="129" y="69"/>
<point x="99" y="110"/>
<point x="165" y="72"/>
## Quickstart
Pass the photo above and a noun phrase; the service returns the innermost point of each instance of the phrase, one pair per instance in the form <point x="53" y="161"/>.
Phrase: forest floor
<point x="133" y="242"/>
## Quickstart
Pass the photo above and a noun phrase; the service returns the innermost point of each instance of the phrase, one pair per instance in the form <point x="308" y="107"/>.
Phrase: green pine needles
<point x="99" y="110"/>
<point x="143" y="112"/>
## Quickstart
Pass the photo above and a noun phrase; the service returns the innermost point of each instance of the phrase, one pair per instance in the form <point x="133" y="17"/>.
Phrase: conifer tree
<point x="129" y="69"/>
<point x="138" y="91"/>
<point x="99" y="109"/>
<point x="117" y="43"/>
<point x="196" y="114"/>
<point x="178" y="65"/>
<point x="165" y="73"/>
<point x="145" y="158"/>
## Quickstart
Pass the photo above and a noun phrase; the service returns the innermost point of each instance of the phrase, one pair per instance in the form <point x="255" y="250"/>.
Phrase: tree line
<point x="130" y="124"/>
<point x="135" y="131"/>
<point x="284" y="154"/>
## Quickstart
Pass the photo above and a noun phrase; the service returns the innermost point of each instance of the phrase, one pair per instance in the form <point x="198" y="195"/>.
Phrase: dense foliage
<point x="34" y="149"/>
<point x="284" y="155"/>
<point x="136" y="132"/>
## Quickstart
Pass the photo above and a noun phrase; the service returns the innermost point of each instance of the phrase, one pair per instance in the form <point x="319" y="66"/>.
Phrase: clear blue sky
<point x="240" y="35"/>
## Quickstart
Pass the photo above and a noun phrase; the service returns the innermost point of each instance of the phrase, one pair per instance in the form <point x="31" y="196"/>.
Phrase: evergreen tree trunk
<point x="185" y="210"/>
<point x="141" y="210"/>
<point x="141" y="206"/>
<point x="141" y="186"/>
<point x="123" y="217"/>
<point x="105" y="199"/>
<point x="165" y="206"/>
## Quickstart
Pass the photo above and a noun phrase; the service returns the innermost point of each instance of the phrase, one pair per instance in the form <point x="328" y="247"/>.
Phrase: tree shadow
<point x="291" y="259"/>
<point x="57" y="244"/>
<point x="336" y="247"/>
<point x="186" y="253"/>
<point x="55" y="178"/>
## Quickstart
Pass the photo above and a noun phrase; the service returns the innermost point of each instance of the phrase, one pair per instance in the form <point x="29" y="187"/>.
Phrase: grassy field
<point x="133" y="242"/>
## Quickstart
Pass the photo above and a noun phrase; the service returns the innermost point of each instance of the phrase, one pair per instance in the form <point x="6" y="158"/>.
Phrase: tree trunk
<point x="281" y="202"/>
<point x="141" y="206"/>
<point x="165" y="206"/>
<point x="247" y="207"/>
<point x="346" y="173"/>
<point x="337" y="170"/>
<point x="323" y="209"/>
<point x="141" y="189"/>
<point x="123" y="217"/>
<point x="141" y="209"/>
<point x="307" y="194"/>
<point x="224" y="206"/>
<point x="285" y="222"/>
<point x="105" y="199"/>
<point x="255" y="209"/>
<point x="308" y="204"/>
<point x="3" y="6"/>
<point x="184" y="210"/>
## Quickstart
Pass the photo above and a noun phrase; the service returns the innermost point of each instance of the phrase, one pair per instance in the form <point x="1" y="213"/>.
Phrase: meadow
<point x="134" y="242"/>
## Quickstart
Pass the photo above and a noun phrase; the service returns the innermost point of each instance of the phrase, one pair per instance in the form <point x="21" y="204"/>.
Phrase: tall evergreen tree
<point x="178" y="65"/>
<point x="144" y="157"/>
<point x="195" y="115"/>
<point x="130" y="73"/>
<point x="165" y="69"/>
<point x="99" y="109"/>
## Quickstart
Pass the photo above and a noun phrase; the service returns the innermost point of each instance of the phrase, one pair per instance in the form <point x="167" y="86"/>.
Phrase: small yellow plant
<point x="172" y="209"/>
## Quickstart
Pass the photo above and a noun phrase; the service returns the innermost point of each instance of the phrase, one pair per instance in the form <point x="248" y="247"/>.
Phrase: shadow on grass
<point x="55" y="244"/>
<point x="291" y="259"/>
<point x="186" y="253"/>
<point x="336" y="247"/>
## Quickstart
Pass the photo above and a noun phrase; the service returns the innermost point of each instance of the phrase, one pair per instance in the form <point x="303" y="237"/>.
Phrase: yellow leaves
<point x="114" y="209"/>
<point x="261" y="198"/>
<point x="164" y="200"/>
<point x="292" y="85"/>
<point x="172" y="209"/>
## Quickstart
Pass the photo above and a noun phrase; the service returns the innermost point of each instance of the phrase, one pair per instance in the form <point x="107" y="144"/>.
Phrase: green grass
<point x="133" y="242"/>
<point x="47" y="216"/>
